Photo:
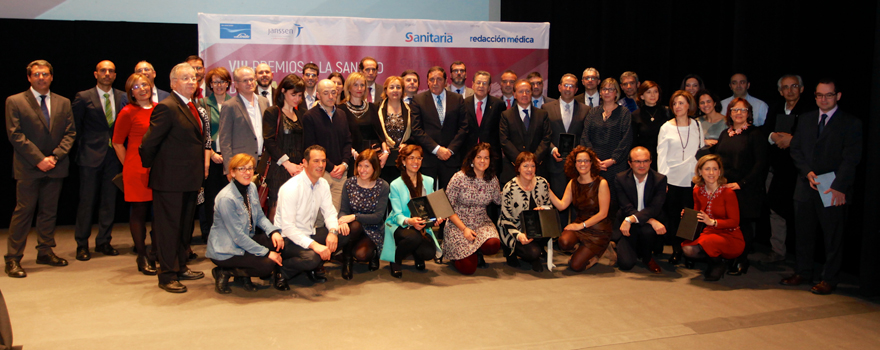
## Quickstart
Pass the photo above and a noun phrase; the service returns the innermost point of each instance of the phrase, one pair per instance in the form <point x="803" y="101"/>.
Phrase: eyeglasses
<point x="140" y="86"/>
<point x="310" y="75"/>
<point x="243" y="169"/>
<point x="827" y="96"/>
<point x="569" y="86"/>
<point x="370" y="70"/>
<point x="414" y="158"/>
<point x="583" y="161"/>
<point x="591" y="78"/>
<point x="458" y="71"/>
<point x="739" y="110"/>
<point x="41" y="74"/>
<point x="609" y="90"/>
<point x="481" y="83"/>
<point x="187" y="79"/>
<point x="536" y="83"/>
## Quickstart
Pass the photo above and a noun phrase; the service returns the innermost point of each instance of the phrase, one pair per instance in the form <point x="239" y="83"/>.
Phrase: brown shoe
<point x="793" y="280"/>
<point x="653" y="267"/>
<point x="823" y="288"/>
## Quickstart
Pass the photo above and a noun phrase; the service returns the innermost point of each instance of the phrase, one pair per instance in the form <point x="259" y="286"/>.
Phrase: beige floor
<point x="106" y="304"/>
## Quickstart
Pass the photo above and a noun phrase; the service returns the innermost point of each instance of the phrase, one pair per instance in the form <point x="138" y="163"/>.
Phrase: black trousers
<point x="296" y="259"/>
<point x="97" y="183"/>
<point x="810" y="215"/>
<point x="410" y="241"/>
<point x="31" y="195"/>
<point x="441" y="172"/>
<point x="677" y="198"/>
<point x="213" y="184"/>
<point x="635" y="247"/>
<point x="173" y="225"/>
<point x="254" y="266"/>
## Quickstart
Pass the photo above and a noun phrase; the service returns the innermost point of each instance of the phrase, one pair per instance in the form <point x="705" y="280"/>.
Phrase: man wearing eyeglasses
<point x="145" y="68"/>
<point x="523" y="128"/>
<point x="566" y="117"/>
<point x="641" y="193"/>
<point x="484" y="114"/>
<point x="629" y="83"/>
<point x="590" y="79"/>
<point x="739" y="84"/>
<point x="536" y="81"/>
<point x="370" y="69"/>
<point x="41" y="129"/>
<point x="310" y="78"/>
<point x="199" y="65"/>
<point x="781" y="123"/>
<point x="458" y="76"/>
<point x="241" y="119"/>
<point x="265" y="81"/>
<point x="827" y="140"/>
<point x="174" y="149"/>
<point x="94" y="111"/>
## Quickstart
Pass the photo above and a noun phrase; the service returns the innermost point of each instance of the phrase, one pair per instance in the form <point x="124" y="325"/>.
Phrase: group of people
<point x="339" y="159"/>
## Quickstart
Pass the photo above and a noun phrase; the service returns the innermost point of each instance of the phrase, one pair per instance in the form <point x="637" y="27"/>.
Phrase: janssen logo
<point x="428" y="38"/>
<point x="235" y="31"/>
<point x="296" y="30"/>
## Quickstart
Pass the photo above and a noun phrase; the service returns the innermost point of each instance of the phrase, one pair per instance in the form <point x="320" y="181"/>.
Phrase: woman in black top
<point x="608" y="131"/>
<point x="283" y="136"/>
<point x="393" y="125"/>
<point x="648" y="119"/>
<point x="360" y="116"/>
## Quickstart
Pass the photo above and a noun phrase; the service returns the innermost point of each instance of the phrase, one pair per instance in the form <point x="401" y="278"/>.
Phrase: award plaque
<point x="690" y="227"/>
<point x="566" y="144"/>
<point x="540" y="223"/>
<point x="430" y="207"/>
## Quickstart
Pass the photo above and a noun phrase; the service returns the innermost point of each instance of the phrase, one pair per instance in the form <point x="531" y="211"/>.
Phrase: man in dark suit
<point x="590" y="97"/>
<point x="459" y="76"/>
<point x="566" y="117"/>
<point x="370" y="69"/>
<point x="523" y="128"/>
<point x="145" y="68"/>
<point x="174" y="150"/>
<point x="508" y="80"/>
<point x="483" y="116"/>
<point x="537" y="83"/>
<point x="266" y="84"/>
<point x="410" y="85"/>
<point x="41" y="129"/>
<point x="440" y="127"/>
<point x="827" y="141"/>
<point x="641" y="193"/>
<point x="95" y="111"/>
<point x="241" y="119"/>
<point x="783" y="174"/>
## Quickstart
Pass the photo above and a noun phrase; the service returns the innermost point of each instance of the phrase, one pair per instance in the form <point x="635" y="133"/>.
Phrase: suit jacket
<point x="515" y="138"/>
<point x="378" y="94"/>
<point x="93" y="132"/>
<point x="468" y="92"/>
<point x="576" y="127"/>
<point x="32" y="140"/>
<point x="428" y="132"/>
<point x="487" y="130"/>
<point x="628" y="196"/>
<point x="399" y="197"/>
<point x="162" y="94"/>
<point x="546" y="100"/>
<point x="174" y="147"/>
<point x="237" y="134"/>
<point x="583" y="99"/>
<point x="838" y="149"/>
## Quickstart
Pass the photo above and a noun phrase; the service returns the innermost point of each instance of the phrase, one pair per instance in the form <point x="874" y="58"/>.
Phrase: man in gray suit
<point x="95" y="111"/>
<point x="566" y="117"/>
<point x="40" y="128"/>
<point x="241" y="119"/>
<point x="145" y="68"/>
<point x="536" y="81"/>
<point x="458" y="75"/>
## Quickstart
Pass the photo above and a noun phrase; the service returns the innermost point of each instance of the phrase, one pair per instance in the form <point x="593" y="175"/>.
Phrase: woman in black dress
<point x="283" y="134"/>
<point x="360" y="116"/>
<point x="393" y="125"/>
<point x="648" y="119"/>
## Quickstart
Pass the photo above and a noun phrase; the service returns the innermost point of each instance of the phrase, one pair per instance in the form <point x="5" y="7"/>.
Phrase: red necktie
<point x="195" y="113"/>
<point x="479" y="115"/>
<point x="370" y="95"/>
<point x="508" y="102"/>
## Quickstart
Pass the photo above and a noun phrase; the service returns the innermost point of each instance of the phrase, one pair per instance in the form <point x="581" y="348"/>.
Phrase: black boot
<point x="374" y="262"/>
<point x="242" y="277"/>
<point x="481" y="262"/>
<point x="317" y="275"/>
<point x="280" y="281"/>
<point x="145" y="267"/>
<point x="740" y="266"/>
<point x="716" y="269"/>
<point x="396" y="271"/>
<point x="512" y="261"/>
<point x="347" y="262"/>
<point x="221" y="280"/>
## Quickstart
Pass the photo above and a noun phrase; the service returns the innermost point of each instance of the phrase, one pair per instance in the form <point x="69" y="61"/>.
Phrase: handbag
<point x="265" y="164"/>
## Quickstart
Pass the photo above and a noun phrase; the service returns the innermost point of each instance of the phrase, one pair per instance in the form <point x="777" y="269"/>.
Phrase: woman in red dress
<point x="719" y="210"/>
<point x="132" y="123"/>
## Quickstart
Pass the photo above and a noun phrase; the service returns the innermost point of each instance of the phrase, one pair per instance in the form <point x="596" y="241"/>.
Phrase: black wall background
<point x="660" y="40"/>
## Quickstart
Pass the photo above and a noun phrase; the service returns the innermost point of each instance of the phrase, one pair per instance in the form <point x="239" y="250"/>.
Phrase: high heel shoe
<point x="675" y="258"/>
<point x="420" y="265"/>
<point x="740" y="267"/>
<point x="144" y="267"/>
<point x="716" y="270"/>
<point x="374" y="262"/>
<point x="395" y="270"/>
<point x="688" y="263"/>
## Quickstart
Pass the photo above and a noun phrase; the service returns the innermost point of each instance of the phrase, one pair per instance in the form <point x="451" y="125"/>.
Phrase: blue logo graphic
<point x="286" y="31"/>
<point x="235" y="31"/>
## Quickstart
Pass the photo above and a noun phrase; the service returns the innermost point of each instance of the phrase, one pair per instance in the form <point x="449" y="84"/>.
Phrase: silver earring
<point x="472" y="165"/>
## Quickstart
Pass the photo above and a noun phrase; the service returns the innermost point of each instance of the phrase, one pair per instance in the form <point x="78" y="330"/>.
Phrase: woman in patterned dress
<point x="590" y="231"/>
<point x="394" y="125"/>
<point x="472" y="233"/>
<point x="364" y="199"/>
<point x="523" y="192"/>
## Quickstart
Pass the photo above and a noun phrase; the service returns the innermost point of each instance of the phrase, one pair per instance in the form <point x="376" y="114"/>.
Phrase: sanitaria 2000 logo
<point x="428" y="38"/>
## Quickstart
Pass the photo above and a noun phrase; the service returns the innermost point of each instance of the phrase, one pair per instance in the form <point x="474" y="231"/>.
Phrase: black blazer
<point x="576" y="127"/>
<point x="628" y="196"/>
<point x="93" y="134"/>
<point x="838" y="149"/>
<point x="515" y="138"/>
<point x="174" y="147"/>
<point x="428" y="132"/>
<point x="487" y="130"/>
<point x="334" y="135"/>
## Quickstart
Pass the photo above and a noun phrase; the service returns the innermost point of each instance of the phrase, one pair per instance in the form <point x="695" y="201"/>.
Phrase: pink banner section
<point x="286" y="59"/>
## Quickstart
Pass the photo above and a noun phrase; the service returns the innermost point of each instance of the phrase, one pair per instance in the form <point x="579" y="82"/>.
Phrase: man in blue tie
<point x="591" y="80"/>
<point x="523" y="128"/>
<point x="310" y="78"/>
<point x="440" y="127"/>
<point x="458" y="77"/>
<point x="410" y="85"/>
<point x="536" y="81"/>
<point x="41" y="129"/>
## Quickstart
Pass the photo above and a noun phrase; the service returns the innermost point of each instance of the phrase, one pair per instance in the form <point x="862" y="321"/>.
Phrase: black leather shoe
<point x="512" y="261"/>
<point x="106" y="249"/>
<point x="192" y="256"/>
<point x="51" y="259"/>
<point x="716" y="270"/>
<point x="688" y="263"/>
<point x="82" y="254"/>
<point x="395" y="270"/>
<point x="374" y="262"/>
<point x="280" y="281"/>
<point x="221" y="280"/>
<point x="420" y="265"/>
<point x="347" y="267"/>
<point x="316" y="277"/>
<point x="190" y="275"/>
<point x="13" y="269"/>
<point x="173" y="287"/>
<point x="741" y="267"/>
<point x="145" y="267"/>
<point x="247" y="284"/>
<point x="675" y="258"/>
<point x="481" y="262"/>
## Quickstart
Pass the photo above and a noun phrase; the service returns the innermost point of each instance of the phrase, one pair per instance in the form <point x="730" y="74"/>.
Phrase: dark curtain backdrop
<point x="660" y="40"/>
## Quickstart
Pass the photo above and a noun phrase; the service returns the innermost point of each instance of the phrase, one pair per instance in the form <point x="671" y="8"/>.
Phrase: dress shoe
<point x="51" y="259"/>
<point x="246" y="283"/>
<point x="481" y="262"/>
<point x="144" y="267"/>
<point x="512" y="261"/>
<point x="420" y="265"/>
<point x="653" y="267"/>
<point x="438" y="260"/>
<point x="395" y="270"/>
<point x="173" y="287"/>
<point x="316" y="277"/>
<point x="221" y="280"/>
<point x="280" y="281"/>
<point x="13" y="269"/>
<point x="823" y="288"/>
<point x="675" y="258"/>
<point x="374" y="262"/>
<point x="82" y="254"/>
<point x="741" y="267"/>
<point x="538" y="266"/>
<point x="793" y="280"/>
<point x="192" y="256"/>
<point x="688" y="263"/>
<point x="774" y="258"/>
<point x="106" y="249"/>
<point x="347" y="266"/>
<point x="716" y="269"/>
<point x="190" y="275"/>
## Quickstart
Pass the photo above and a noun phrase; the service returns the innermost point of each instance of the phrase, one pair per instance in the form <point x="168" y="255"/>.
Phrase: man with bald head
<point x="95" y="111"/>
<point x="265" y="81"/>
<point x="326" y="126"/>
<point x="641" y="192"/>
<point x="145" y="68"/>
<point x="174" y="150"/>
<point x="241" y="119"/>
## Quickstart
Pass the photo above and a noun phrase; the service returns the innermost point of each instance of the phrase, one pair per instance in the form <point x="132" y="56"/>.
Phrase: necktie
<point x="440" y="110"/>
<point x="458" y="91"/>
<point x="526" y="119"/>
<point x="479" y="112"/>
<point x="407" y="99"/>
<point x="566" y="116"/>
<point x="108" y="110"/>
<point x="195" y="113"/>
<point x="266" y="94"/>
<point x="535" y="102"/>
<point x="370" y="95"/>
<point x="45" y="110"/>
<point x="508" y="102"/>
<point x="591" y="101"/>
<point x="822" y="124"/>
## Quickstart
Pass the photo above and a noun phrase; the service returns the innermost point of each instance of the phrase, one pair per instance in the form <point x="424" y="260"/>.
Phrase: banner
<point x="337" y="44"/>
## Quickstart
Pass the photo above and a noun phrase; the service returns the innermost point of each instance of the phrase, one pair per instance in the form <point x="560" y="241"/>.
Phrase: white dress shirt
<point x="110" y="97"/>
<point x="298" y="203"/>
<point x="253" y="110"/>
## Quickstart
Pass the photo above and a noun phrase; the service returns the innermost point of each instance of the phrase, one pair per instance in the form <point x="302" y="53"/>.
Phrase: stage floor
<point x="105" y="303"/>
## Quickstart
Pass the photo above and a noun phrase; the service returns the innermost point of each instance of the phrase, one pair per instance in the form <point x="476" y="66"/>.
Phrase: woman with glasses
<point x="405" y="235"/>
<point x="218" y="80"/>
<point x="525" y="191"/>
<point x="132" y="123"/>
<point x="283" y="136"/>
<point x="608" y="131"/>
<point x="234" y="246"/>
<point x="743" y="150"/>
